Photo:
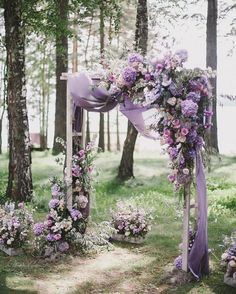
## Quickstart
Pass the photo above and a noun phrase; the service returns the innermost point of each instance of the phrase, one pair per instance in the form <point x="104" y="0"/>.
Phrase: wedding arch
<point x="164" y="101"/>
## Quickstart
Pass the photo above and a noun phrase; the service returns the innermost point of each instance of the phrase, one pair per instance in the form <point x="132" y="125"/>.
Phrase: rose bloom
<point x="172" y="101"/>
<point x="186" y="171"/>
<point x="166" y="133"/>
<point x="184" y="131"/>
<point x="176" y="123"/>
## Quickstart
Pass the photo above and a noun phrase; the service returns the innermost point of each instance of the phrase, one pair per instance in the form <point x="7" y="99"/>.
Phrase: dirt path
<point x="107" y="269"/>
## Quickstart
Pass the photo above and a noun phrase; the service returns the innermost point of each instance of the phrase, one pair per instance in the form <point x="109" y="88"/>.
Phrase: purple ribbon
<point x="198" y="257"/>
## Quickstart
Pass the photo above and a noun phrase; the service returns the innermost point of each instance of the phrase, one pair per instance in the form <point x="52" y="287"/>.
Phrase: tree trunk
<point x="141" y="37"/>
<point x="61" y="66"/>
<point x="88" y="138"/>
<point x="19" y="186"/>
<point x="101" y="141"/>
<point x="117" y="130"/>
<point x="211" y="60"/>
<point x="108" y="132"/>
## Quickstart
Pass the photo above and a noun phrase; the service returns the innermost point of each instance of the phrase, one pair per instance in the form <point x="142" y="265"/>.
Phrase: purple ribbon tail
<point x="198" y="257"/>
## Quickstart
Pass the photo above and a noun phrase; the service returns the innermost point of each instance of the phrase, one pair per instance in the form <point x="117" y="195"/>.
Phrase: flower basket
<point x="11" y="251"/>
<point x="128" y="239"/>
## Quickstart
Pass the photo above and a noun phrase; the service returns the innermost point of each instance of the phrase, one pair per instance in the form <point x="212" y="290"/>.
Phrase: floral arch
<point x="164" y="101"/>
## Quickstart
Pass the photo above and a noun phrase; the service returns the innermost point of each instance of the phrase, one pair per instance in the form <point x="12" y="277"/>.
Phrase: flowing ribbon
<point x="198" y="257"/>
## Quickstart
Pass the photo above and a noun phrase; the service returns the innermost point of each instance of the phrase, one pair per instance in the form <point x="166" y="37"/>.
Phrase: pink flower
<point x="184" y="131"/>
<point x="21" y="205"/>
<point x="176" y="123"/>
<point x="57" y="237"/>
<point x="166" y="133"/>
<point x="171" y="178"/>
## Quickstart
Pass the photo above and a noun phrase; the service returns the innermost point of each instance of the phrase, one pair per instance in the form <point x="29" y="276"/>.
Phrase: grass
<point x="149" y="189"/>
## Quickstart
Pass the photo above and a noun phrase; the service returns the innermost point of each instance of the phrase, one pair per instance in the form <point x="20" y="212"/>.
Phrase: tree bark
<point x="19" y="186"/>
<point x="211" y="60"/>
<point x="108" y="132"/>
<point x="61" y="66"/>
<point x="88" y="138"/>
<point x="117" y="131"/>
<point x="141" y="37"/>
<point x="101" y="141"/>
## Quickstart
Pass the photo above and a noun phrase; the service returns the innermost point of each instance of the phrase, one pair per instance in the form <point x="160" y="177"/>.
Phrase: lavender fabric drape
<point x="198" y="257"/>
<point x="87" y="95"/>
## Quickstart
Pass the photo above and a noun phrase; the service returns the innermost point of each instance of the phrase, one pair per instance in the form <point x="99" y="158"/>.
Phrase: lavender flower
<point x="63" y="246"/>
<point x="135" y="57"/>
<point x="182" y="55"/>
<point x="50" y="237"/>
<point x="195" y="97"/>
<point x="129" y="75"/>
<point x="38" y="229"/>
<point x="178" y="262"/>
<point x="54" y="203"/>
<point x="189" y="108"/>
<point x="75" y="214"/>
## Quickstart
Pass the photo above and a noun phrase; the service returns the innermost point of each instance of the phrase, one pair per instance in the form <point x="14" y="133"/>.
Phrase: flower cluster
<point x="131" y="221"/>
<point x="229" y="256"/>
<point x="181" y="98"/>
<point x="15" y="225"/>
<point x="178" y="260"/>
<point x="82" y="168"/>
<point x="59" y="229"/>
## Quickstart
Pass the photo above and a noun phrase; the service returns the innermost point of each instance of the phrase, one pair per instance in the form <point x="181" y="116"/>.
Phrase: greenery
<point x="150" y="189"/>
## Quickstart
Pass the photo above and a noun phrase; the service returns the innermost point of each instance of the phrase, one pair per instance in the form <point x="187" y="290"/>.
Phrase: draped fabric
<point x="87" y="95"/>
<point x="198" y="257"/>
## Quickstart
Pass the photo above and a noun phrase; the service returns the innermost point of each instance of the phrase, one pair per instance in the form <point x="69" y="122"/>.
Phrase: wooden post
<point x="69" y="146"/>
<point x="185" y="237"/>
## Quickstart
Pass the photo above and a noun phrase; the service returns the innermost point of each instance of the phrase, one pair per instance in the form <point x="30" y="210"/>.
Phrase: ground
<point x="126" y="268"/>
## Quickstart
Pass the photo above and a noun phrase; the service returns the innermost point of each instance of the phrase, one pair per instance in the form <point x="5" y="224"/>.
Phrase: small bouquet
<point x="15" y="225"/>
<point x="131" y="221"/>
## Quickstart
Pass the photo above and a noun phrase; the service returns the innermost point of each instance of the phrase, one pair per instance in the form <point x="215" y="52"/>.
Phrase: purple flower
<point x="21" y="205"/>
<point x="189" y="108"/>
<point x="81" y="153"/>
<point x="50" y="237"/>
<point x="178" y="262"/>
<point x="63" y="246"/>
<point x="182" y="54"/>
<point x="191" y="154"/>
<point x="75" y="214"/>
<point x="173" y="152"/>
<point x="135" y="57"/>
<point x="200" y="85"/>
<point x="129" y="75"/>
<point x="38" y="229"/>
<point x="171" y="178"/>
<point x="53" y="203"/>
<point x="55" y="190"/>
<point x="192" y="135"/>
<point x="195" y="97"/>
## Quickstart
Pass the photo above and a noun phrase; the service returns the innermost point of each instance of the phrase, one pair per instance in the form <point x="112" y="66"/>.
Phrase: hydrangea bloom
<point x="63" y="246"/>
<point x="194" y="96"/>
<point x="135" y="57"/>
<point x="75" y="214"/>
<point x="38" y="229"/>
<point x="129" y="75"/>
<point x="178" y="262"/>
<point x="189" y="108"/>
<point x="53" y="203"/>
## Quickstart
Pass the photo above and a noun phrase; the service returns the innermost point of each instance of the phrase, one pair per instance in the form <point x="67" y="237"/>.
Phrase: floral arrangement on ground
<point x="130" y="221"/>
<point x="15" y="225"/>
<point x="228" y="259"/>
